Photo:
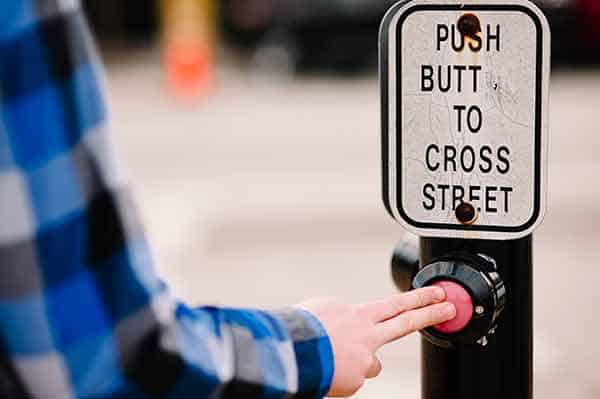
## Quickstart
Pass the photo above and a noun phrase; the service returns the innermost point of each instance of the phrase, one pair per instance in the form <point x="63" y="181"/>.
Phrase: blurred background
<point x="250" y="129"/>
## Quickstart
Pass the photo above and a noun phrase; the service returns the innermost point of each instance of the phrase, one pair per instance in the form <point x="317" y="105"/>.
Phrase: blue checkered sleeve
<point x="82" y="312"/>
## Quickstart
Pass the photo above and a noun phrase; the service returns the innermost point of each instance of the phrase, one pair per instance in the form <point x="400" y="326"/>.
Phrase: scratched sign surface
<point x="465" y="117"/>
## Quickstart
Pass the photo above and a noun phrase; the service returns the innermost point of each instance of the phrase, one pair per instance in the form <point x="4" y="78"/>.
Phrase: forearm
<point x="177" y="352"/>
<point x="234" y="353"/>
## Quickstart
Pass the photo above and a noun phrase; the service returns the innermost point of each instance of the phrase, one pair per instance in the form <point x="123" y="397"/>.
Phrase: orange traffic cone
<point x="188" y="46"/>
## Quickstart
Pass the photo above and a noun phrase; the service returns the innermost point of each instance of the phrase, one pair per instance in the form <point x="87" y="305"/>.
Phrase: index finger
<point x="394" y="305"/>
<point x="413" y="321"/>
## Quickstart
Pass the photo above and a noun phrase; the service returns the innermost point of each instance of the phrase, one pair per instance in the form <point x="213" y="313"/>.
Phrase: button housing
<point x="478" y="276"/>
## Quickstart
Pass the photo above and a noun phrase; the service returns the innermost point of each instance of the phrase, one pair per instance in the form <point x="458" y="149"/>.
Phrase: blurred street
<point x="268" y="192"/>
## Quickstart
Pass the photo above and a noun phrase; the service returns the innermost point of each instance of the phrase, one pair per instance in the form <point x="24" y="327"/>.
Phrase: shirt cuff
<point x="313" y="350"/>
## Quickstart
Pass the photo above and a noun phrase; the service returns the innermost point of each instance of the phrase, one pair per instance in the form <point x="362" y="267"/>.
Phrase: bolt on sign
<point x="465" y="117"/>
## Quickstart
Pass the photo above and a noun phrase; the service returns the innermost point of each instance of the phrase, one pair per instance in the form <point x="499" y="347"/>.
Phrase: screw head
<point x="466" y="214"/>
<point x="479" y="310"/>
<point x="469" y="25"/>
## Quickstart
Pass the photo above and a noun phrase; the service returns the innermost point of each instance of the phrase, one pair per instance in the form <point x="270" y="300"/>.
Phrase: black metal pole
<point x="504" y="368"/>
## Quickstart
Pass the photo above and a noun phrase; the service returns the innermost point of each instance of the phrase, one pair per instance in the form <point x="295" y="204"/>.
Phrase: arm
<point x="82" y="312"/>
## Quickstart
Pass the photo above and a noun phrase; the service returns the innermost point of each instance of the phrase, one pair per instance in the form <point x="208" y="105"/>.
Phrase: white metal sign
<point x="464" y="105"/>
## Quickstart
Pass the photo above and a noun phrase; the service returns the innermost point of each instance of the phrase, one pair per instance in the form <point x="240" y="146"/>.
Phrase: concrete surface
<point x="267" y="193"/>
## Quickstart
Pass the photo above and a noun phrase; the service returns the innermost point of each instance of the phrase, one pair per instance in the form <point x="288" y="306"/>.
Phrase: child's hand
<point x="358" y="331"/>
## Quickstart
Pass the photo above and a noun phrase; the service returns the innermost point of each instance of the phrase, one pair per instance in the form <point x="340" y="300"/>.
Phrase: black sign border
<point x="385" y="114"/>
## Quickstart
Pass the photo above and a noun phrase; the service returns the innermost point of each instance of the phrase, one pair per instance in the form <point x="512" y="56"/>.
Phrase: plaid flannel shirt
<point x="82" y="312"/>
